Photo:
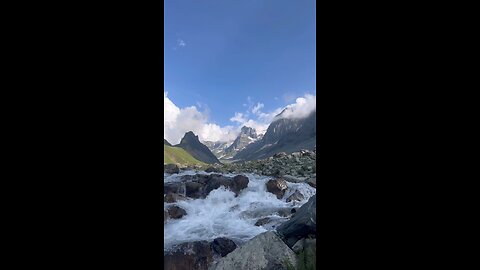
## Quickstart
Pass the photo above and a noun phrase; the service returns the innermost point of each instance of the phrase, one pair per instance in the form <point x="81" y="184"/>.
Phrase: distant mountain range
<point x="217" y="148"/>
<point x="283" y="135"/>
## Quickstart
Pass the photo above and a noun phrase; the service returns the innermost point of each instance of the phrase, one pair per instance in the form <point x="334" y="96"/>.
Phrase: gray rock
<point x="285" y="212"/>
<point x="312" y="182"/>
<point x="302" y="224"/>
<point x="173" y="197"/>
<point x="223" y="246"/>
<point x="266" y="251"/>
<point x="262" y="221"/>
<point x="239" y="183"/>
<point x="194" y="190"/>
<point x="176" y="212"/>
<point x="296" y="196"/>
<point x="193" y="255"/>
<point x="277" y="186"/>
<point x="171" y="168"/>
<point x="298" y="247"/>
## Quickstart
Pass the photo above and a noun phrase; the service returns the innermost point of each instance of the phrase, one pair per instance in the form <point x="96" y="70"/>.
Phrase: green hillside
<point x="178" y="155"/>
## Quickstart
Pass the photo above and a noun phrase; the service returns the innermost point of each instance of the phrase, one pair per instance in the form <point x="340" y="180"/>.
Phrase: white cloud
<point x="178" y="121"/>
<point x="257" y="108"/>
<point x="238" y="118"/>
<point x="302" y="107"/>
<point x="181" y="43"/>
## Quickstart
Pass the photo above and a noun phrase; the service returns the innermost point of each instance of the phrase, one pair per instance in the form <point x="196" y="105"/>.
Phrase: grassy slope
<point x="178" y="155"/>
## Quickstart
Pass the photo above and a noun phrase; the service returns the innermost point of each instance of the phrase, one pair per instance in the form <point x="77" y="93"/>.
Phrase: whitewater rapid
<point x="220" y="214"/>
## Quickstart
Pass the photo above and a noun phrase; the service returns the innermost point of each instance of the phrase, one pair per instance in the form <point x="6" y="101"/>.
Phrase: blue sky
<point x="222" y="56"/>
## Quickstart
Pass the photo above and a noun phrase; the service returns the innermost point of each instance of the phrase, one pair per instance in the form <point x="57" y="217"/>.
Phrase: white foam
<point x="222" y="214"/>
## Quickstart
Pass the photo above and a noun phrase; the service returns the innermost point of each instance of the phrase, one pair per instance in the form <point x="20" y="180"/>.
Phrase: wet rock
<point x="296" y="196"/>
<point x="293" y="179"/>
<point x="301" y="225"/>
<point x="262" y="221"/>
<point x="175" y="187"/>
<point x="187" y="256"/>
<point x="277" y="186"/>
<point x="194" y="190"/>
<point x="223" y="246"/>
<point x="284" y="212"/>
<point x="239" y="183"/>
<point x="171" y="168"/>
<point x="172" y="197"/>
<point x="215" y="182"/>
<point x="265" y="251"/>
<point x="312" y="182"/>
<point x="176" y="212"/>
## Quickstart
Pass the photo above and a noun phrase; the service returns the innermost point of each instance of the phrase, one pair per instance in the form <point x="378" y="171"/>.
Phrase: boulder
<point x="279" y="155"/>
<point x="223" y="246"/>
<point x="301" y="225"/>
<point x="296" y="196"/>
<point x="239" y="183"/>
<point x="265" y="251"/>
<point x="285" y="212"/>
<point x="176" y="212"/>
<point x="171" y="168"/>
<point x="194" y="190"/>
<point x="277" y="186"/>
<point x="262" y="221"/>
<point x="174" y="187"/>
<point x="172" y="197"/>
<point x="312" y="182"/>
<point x="187" y="256"/>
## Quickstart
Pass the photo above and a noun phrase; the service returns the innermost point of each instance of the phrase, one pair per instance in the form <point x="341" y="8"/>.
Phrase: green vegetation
<point x="178" y="155"/>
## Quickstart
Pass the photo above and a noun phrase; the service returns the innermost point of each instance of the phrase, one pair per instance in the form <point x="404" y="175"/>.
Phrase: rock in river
<point x="193" y="255"/>
<point x="265" y="251"/>
<point x="277" y="186"/>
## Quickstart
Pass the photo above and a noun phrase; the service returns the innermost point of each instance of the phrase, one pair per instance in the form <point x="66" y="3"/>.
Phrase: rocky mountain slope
<point x="194" y="147"/>
<point x="247" y="136"/>
<point x="217" y="148"/>
<point x="283" y="135"/>
<point x="165" y="142"/>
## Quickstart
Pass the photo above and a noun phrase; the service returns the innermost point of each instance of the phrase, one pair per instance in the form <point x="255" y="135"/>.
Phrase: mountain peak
<point x="193" y="146"/>
<point x="190" y="136"/>
<point x="250" y="132"/>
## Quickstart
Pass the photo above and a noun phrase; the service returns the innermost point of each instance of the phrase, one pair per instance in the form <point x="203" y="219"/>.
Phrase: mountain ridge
<point x="194" y="147"/>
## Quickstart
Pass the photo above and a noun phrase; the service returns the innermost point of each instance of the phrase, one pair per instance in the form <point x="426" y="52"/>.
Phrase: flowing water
<point x="221" y="214"/>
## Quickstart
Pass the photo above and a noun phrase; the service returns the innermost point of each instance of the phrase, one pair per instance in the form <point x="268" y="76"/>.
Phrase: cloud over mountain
<point x="178" y="121"/>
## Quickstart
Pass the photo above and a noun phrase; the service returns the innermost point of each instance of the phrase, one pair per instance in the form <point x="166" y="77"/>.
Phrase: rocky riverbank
<point x="252" y="215"/>
<point x="295" y="167"/>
